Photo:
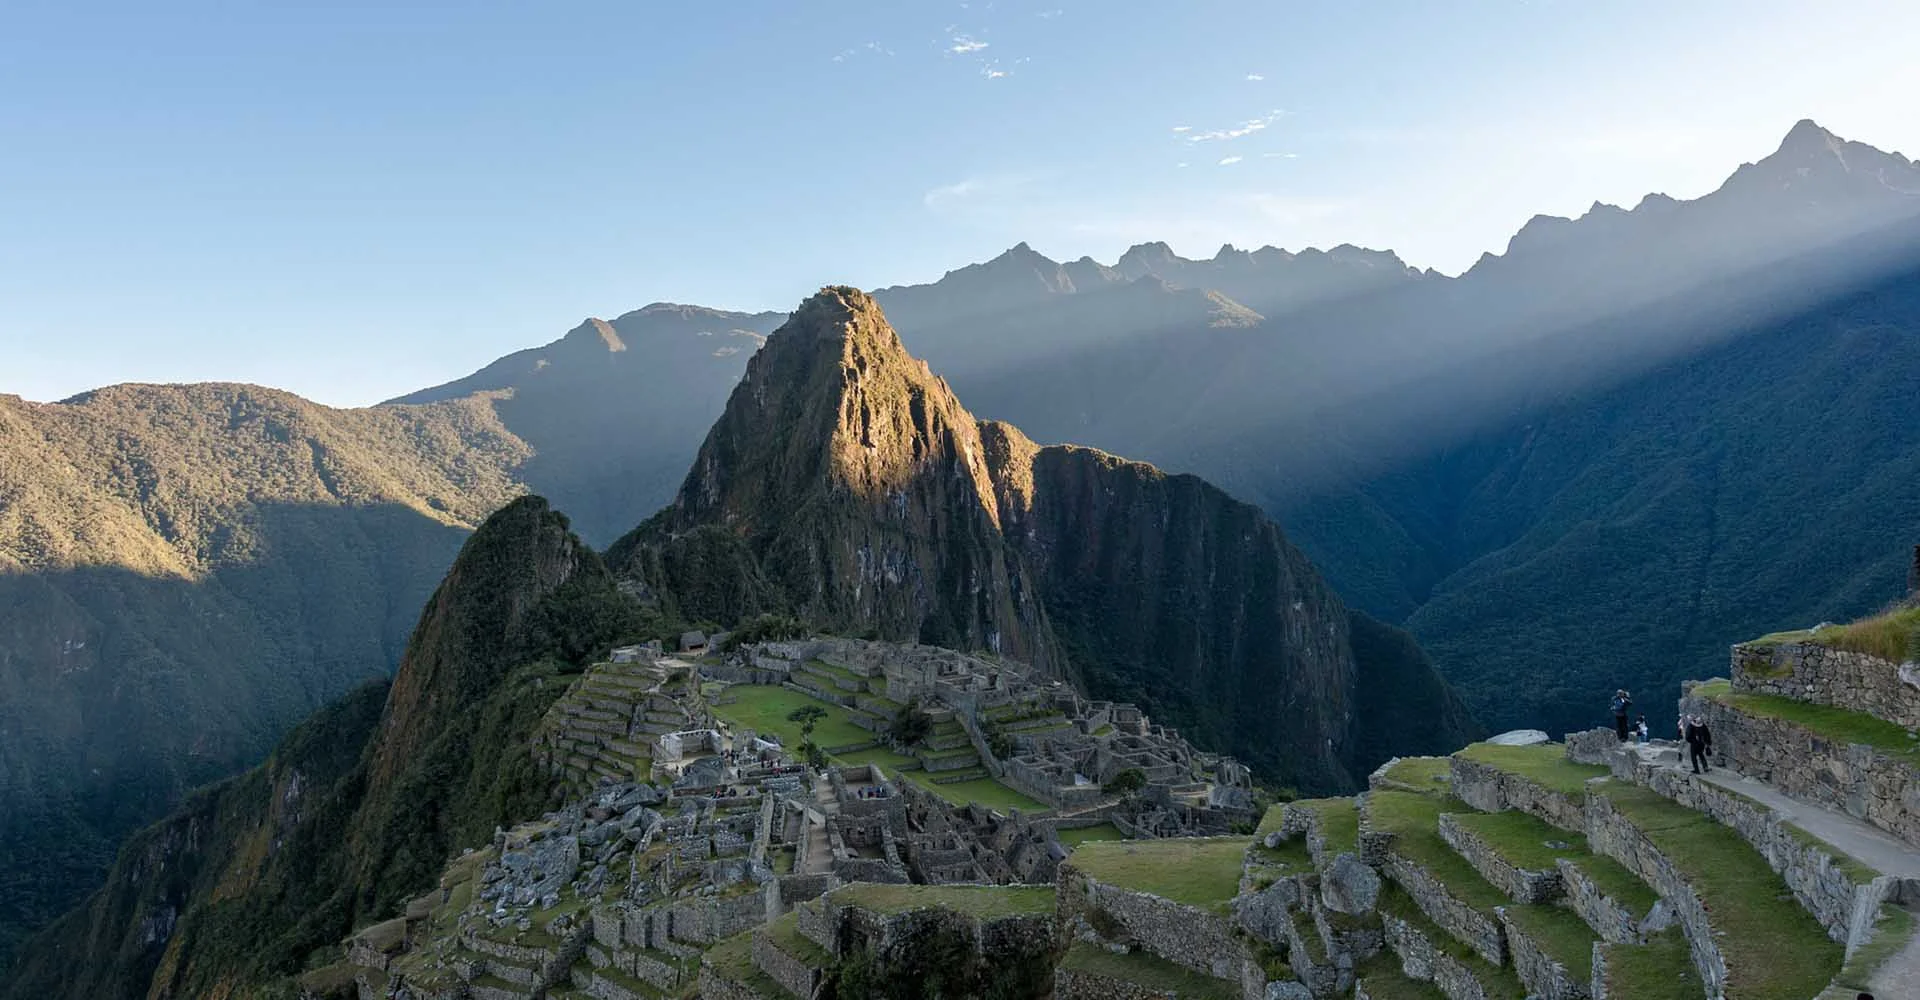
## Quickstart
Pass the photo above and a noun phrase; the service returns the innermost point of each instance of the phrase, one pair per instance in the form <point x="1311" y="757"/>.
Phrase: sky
<point x="350" y="200"/>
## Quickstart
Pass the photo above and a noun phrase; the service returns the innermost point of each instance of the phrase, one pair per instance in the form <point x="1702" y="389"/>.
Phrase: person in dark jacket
<point x="1699" y="743"/>
<point x="1622" y="701"/>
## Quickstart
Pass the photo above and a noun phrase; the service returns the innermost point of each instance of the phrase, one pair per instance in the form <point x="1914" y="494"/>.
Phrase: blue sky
<point x="350" y="200"/>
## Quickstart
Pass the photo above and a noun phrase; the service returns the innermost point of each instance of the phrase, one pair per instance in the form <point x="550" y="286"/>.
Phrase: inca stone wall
<point x="1476" y="929"/>
<point x="1824" y="888"/>
<point x="1613" y="922"/>
<point x="1181" y="934"/>
<point x="1611" y="834"/>
<point x="1520" y="885"/>
<point x="1423" y="960"/>
<point x="1856" y="779"/>
<point x="1811" y="672"/>
<point x="1543" y="977"/>
<point x="1490" y="790"/>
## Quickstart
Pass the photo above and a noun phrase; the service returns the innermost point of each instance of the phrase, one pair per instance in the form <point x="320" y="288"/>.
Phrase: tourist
<point x="1646" y="735"/>
<point x="1621" y="702"/>
<point x="1699" y="743"/>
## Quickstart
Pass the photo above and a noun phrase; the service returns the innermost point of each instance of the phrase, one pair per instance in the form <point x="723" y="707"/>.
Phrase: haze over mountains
<point x="1592" y="460"/>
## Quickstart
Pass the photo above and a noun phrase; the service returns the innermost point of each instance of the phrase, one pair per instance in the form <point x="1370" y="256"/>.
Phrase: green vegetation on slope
<point x="450" y="760"/>
<point x="1146" y="970"/>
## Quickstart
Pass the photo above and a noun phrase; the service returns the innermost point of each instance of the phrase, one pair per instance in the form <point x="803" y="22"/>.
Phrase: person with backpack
<point x="1699" y="743"/>
<point x="1622" y="701"/>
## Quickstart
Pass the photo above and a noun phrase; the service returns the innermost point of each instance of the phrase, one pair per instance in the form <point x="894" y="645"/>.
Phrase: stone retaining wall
<point x="1613" y="922"/>
<point x="1811" y="672"/>
<point x="1422" y="960"/>
<point x="1071" y="985"/>
<point x="1185" y="935"/>
<point x="1858" y="780"/>
<point x="1612" y="834"/>
<point x="714" y="986"/>
<point x="1823" y="888"/>
<point x="1543" y="977"/>
<point x="1520" y="885"/>
<point x="1476" y="929"/>
<point x="1490" y="789"/>
<point x="793" y="975"/>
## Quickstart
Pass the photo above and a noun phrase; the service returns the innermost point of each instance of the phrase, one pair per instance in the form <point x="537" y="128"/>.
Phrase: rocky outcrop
<point x="847" y="485"/>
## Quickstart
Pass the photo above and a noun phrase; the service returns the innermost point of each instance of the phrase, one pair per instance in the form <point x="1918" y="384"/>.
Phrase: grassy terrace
<point x="1339" y="822"/>
<point x="1197" y="871"/>
<point x="1499" y="982"/>
<point x="1661" y="969"/>
<point x="1150" y="971"/>
<point x="1545" y="764"/>
<point x="1384" y="981"/>
<point x="1424" y="773"/>
<point x="1774" y="949"/>
<point x="1888" y="635"/>
<point x="1892" y="930"/>
<point x="986" y="791"/>
<point x="1414" y="818"/>
<point x="764" y="708"/>
<point x="733" y="960"/>
<point x="1526" y="842"/>
<point x="1835" y="724"/>
<point x="982" y="901"/>
<point x="1088" y="834"/>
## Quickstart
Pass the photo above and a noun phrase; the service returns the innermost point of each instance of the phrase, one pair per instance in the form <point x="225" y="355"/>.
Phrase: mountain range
<point x="1589" y="461"/>
<point x="843" y="481"/>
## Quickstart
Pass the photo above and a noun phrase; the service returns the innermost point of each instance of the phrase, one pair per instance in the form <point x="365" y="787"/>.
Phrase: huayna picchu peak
<point x="846" y="485"/>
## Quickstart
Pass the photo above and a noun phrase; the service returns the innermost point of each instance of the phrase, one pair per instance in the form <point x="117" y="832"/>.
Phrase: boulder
<point x="1288" y="990"/>
<point x="1520" y="738"/>
<point x="1268" y="914"/>
<point x="1349" y="886"/>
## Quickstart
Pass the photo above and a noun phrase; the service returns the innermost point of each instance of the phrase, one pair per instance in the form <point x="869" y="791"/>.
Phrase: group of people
<point x="1693" y="731"/>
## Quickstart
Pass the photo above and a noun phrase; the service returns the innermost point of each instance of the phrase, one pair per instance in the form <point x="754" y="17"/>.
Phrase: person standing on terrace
<point x="1622" y="701"/>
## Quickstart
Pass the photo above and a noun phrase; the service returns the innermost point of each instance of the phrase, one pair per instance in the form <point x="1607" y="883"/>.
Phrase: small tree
<point x="911" y="725"/>
<point x="1126" y="782"/>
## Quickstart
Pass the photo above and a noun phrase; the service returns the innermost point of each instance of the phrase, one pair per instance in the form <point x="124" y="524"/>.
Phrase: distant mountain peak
<point x="1808" y="134"/>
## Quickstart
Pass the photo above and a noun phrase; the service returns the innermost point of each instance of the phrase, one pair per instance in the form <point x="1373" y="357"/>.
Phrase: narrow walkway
<point x="1898" y="976"/>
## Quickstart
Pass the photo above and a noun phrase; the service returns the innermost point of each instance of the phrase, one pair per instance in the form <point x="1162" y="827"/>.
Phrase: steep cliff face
<point x="845" y="483"/>
<point x="357" y="810"/>
<point x="1168" y="592"/>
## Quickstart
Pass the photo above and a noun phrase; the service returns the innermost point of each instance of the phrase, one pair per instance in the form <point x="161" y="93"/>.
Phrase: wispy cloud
<point x="1227" y="161"/>
<point x="1255" y="77"/>
<point x="992" y="72"/>
<point x="871" y="48"/>
<point x="1182" y="163"/>
<point x="1279" y="156"/>
<point x="1056" y="12"/>
<point x="947" y="195"/>
<point x="964" y="44"/>
<point x="1183" y="128"/>
<point x="1245" y="128"/>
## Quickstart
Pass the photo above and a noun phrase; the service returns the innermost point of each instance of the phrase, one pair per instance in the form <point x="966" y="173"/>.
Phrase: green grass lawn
<point x="1774" y="949"/>
<point x="764" y="708"/>
<point x="1661" y="969"/>
<point x="1197" y="871"/>
<point x="1413" y="818"/>
<point x="1522" y="840"/>
<point x="1384" y="981"/>
<point x="1339" y="822"/>
<point x="1270" y="821"/>
<point x="982" y="901"/>
<point x="986" y="791"/>
<point x="1426" y="773"/>
<point x="1544" y="763"/>
<point x="1088" y="834"/>
<point x="1893" y="928"/>
<point x="1150" y="971"/>
<point x="1559" y="932"/>
<point x="1835" y="724"/>
<point x="890" y="762"/>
